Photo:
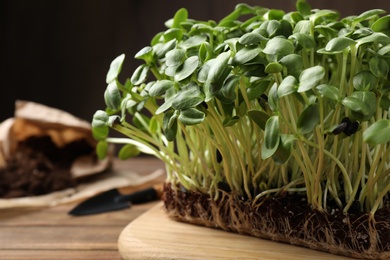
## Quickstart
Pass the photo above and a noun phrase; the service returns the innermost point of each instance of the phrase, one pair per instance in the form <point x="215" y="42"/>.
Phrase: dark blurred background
<point x="57" y="52"/>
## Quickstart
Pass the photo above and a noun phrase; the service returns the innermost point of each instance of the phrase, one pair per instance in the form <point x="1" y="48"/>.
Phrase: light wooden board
<point x="155" y="236"/>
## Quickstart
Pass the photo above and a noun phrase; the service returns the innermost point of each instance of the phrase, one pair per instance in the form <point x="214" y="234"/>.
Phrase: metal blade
<point x="104" y="202"/>
<point x="113" y="200"/>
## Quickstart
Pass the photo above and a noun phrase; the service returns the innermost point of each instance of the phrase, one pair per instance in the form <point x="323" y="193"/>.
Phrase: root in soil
<point x="286" y="218"/>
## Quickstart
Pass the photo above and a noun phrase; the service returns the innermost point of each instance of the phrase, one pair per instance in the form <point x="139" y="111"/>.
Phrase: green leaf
<point x="364" y="80"/>
<point x="218" y="67"/>
<point x="271" y="137"/>
<point x="100" y="119"/>
<point x="259" y="117"/>
<point x="154" y="125"/>
<point x="191" y="116"/>
<point x="157" y="38"/>
<point x="145" y="54"/>
<point x="288" y="86"/>
<point x="161" y="49"/>
<point x="204" y="70"/>
<point x="310" y="78"/>
<point x="339" y="44"/>
<point x="273" y="97"/>
<point x="303" y="26"/>
<point x="326" y="31"/>
<point x="160" y="87"/>
<point x="201" y="28"/>
<point x="385" y="103"/>
<point x="241" y="9"/>
<point x="254" y="70"/>
<point x="229" y="86"/>
<point x="205" y="52"/>
<point x="326" y="14"/>
<point x="230" y="121"/>
<point x="273" y="67"/>
<point x="356" y="105"/>
<point x="171" y="71"/>
<point x="272" y="27"/>
<point x="101" y="149"/>
<point x="188" y="98"/>
<point x="128" y="151"/>
<point x="379" y="67"/>
<point x="170" y="125"/>
<point x="293" y="17"/>
<point x="293" y="63"/>
<point x="115" y="68"/>
<point x="329" y="91"/>
<point x="100" y="133"/>
<point x="212" y="89"/>
<point x="362" y="105"/>
<point x="377" y="37"/>
<point x="382" y="24"/>
<point x="180" y="16"/>
<point x="303" y="7"/>
<point x="173" y="34"/>
<point x="305" y="40"/>
<point x="283" y="153"/>
<point x="193" y="41"/>
<point x="99" y="124"/>
<point x="368" y="15"/>
<point x="169" y="97"/>
<point x="278" y="47"/>
<point x="112" y="120"/>
<point x="285" y="28"/>
<point x="377" y="133"/>
<point x="245" y="55"/>
<point x="165" y="106"/>
<point x="275" y="14"/>
<point x="188" y="67"/>
<point x="256" y="88"/>
<point x="112" y="96"/>
<point x="308" y="119"/>
<point x="251" y="38"/>
<point x="384" y="50"/>
<point x="140" y="74"/>
<point x="242" y="109"/>
<point x="175" y="57"/>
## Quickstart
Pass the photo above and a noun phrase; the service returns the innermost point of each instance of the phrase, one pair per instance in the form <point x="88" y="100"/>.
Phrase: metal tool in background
<point x="112" y="200"/>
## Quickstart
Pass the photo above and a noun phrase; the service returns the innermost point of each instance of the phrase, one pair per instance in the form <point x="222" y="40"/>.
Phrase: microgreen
<point x="263" y="101"/>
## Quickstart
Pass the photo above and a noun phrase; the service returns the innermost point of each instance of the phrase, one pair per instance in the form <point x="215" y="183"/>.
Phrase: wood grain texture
<point x="60" y="255"/>
<point x="50" y="233"/>
<point x="154" y="236"/>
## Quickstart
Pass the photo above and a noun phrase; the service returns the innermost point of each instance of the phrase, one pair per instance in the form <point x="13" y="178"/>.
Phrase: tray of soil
<point x="271" y="124"/>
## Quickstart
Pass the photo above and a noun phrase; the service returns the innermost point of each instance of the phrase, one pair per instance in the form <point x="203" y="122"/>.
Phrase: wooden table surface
<point x="50" y="233"/>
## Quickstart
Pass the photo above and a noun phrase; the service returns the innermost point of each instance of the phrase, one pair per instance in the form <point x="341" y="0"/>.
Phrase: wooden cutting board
<point x="155" y="236"/>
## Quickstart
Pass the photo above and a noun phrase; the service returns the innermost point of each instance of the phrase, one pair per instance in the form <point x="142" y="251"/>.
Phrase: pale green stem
<point x="379" y="199"/>
<point x="306" y="175"/>
<point x="317" y="181"/>
<point x="224" y="138"/>
<point x="370" y="188"/>
<point x="361" y="172"/>
<point x="241" y="161"/>
<point x="348" y="185"/>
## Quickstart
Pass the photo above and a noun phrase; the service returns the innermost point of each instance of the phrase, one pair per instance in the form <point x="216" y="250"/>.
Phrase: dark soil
<point x="40" y="167"/>
<point x="286" y="218"/>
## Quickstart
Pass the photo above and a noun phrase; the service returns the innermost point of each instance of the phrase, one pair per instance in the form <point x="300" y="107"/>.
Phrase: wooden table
<point x="50" y="233"/>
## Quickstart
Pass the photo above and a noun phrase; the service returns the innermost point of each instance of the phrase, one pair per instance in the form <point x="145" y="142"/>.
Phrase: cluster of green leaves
<point x="262" y="102"/>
